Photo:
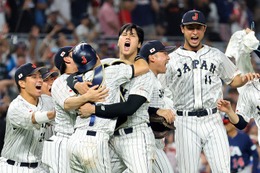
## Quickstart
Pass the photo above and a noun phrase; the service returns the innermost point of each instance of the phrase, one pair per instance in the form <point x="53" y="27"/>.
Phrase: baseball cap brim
<point x="35" y="71"/>
<point x="192" y="23"/>
<point x="50" y="74"/>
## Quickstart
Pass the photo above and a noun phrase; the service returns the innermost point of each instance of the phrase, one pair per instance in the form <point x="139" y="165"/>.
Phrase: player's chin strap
<point x="98" y="78"/>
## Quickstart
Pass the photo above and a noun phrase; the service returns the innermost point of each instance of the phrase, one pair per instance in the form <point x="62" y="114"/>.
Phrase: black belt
<point x="23" y="164"/>
<point x="198" y="113"/>
<point x="127" y="130"/>
<point x="91" y="133"/>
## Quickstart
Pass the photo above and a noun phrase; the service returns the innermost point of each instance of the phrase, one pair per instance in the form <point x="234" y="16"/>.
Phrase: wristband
<point x="41" y="117"/>
<point x="152" y="110"/>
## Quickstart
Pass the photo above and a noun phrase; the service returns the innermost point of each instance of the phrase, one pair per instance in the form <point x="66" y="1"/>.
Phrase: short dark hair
<point x="129" y="27"/>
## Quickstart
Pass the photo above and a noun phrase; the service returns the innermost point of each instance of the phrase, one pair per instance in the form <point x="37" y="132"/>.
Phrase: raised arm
<point x="237" y="120"/>
<point x="241" y="80"/>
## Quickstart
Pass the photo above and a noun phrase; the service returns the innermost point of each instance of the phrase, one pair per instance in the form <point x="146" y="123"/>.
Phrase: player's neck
<point x="186" y="46"/>
<point x="153" y="69"/>
<point x="29" y="98"/>
<point x="232" y="133"/>
<point x="129" y="58"/>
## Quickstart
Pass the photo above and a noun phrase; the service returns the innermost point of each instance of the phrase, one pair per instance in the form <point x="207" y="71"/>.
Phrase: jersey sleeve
<point x="21" y="117"/>
<point x="61" y="91"/>
<point x="228" y="69"/>
<point x="122" y="73"/>
<point x="143" y="86"/>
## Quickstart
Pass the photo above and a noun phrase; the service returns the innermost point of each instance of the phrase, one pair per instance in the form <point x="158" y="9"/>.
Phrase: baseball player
<point x="48" y="79"/>
<point x="138" y="156"/>
<point x="88" y="146"/>
<point x="194" y="76"/>
<point x="65" y="103"/>
<point x="157" y="55"/>
<point x="242" y="149"/>
<point x="132" y="145"/>
<point x="247" y="106"/>
<point x="26" y="124"/>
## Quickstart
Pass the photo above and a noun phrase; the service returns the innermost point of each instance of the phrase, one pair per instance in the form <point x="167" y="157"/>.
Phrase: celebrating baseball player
<point x="88" y="146"/>
<point x="157" y="56"/>
<point x="134" y="129"/>
<point x="48" y="79"/>
<point x="26" y="124"/>
<point x="65" y="103"/>
<point x="194" y="76"/>
<point x="248" y="105"/>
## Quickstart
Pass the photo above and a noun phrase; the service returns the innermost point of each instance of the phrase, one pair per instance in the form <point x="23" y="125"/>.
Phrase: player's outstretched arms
<point x="140" y="66"/>
<point x="127" y="108"/>
<point x="40" y="117"/>
<point x="241" y="80"/>
<point x="237" y="120"/>
<point x="167" y="114"/>
<point x="94" y="94"/>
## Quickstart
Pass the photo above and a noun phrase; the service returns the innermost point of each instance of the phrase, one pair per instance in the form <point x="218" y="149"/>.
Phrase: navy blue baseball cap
<point x="47" y="73"/>
<point x="25" y="70"/>
<point x="154" y="46"/>
<point x="58" y="57"/>
<point x="193" y="17"/>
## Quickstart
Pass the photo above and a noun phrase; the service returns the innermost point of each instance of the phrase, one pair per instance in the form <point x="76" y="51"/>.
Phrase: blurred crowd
<point x="33" y="30"/>
<point x="46" y="25"/>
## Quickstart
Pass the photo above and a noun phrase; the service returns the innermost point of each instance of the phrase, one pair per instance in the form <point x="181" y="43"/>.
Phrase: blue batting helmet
<point x="84" y="56"/>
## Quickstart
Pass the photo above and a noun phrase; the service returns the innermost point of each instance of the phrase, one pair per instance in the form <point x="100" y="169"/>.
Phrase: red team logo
<point x="84" y="60"/>
<point x="195" y="17"/>
<point x="33" y="66"/>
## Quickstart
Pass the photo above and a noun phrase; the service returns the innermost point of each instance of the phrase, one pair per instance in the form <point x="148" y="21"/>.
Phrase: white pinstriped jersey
<point x="50" y="125"/>
<point x="114" y="76"/>
<point x="143" y="86"/>
<point x="157" y="94"/>
<point x="194" y="78"/>
<point x="65" y="120"/>
<point x="158" y="99"/>
<point x="248" y="104"/>
<point x="23" y="139"/>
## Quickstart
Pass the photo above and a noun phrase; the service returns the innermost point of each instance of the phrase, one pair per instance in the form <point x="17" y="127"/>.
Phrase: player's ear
<point x="67" y="60"/>
<point x="182" y="28"/>
<point x="151" y="58"/>
<point x="21" y="83"/>
<point x="139" y="45"/>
